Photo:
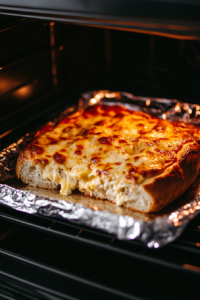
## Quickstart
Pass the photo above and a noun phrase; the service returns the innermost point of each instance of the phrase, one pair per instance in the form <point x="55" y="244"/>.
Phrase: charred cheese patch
<point x="108" y="143"/>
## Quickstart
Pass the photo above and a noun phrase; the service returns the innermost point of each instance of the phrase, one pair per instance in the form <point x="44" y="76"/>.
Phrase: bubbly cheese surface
<point x="108" y="142"/>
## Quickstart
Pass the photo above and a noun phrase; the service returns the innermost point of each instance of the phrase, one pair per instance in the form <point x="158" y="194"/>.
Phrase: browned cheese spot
<point x="98" y="172"/>
<point x="80" y="147"/>
<point x="105" y="172"/>
<point x="106" y="140"/>
<point x="128" y="164"/>
<point x="59" y="158"/>
<point x="78" y="152"/>
<point x="136" y="158"/>
<point x="119" y="115"/>
<point x="95" y="160"/>
<point x="100" y="123"/>
<point x="37" y="149"/>
<point x="122" y="142"/>
<point x="140" y="125"/>
<point x="132" y="171"/>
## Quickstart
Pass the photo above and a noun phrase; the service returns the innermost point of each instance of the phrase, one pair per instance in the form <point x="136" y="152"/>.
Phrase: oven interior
<point x="44" y="66"/>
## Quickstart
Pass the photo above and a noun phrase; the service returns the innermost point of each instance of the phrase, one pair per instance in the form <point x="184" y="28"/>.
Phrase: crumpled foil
<point x="8" y="158"/>
<point x="153" y="229"/>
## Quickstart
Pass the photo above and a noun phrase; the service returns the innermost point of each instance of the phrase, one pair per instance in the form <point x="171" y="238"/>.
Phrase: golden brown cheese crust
<point x="176" y="179"/>
<point x="113" y="141"/>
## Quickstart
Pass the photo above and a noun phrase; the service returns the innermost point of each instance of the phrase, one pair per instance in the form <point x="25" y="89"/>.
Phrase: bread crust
<point x="176" y="179"/>
<point x="161" y="189"/>
<point x="23" y="156"/>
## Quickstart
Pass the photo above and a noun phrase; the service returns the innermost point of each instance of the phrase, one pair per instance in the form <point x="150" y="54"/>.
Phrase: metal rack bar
<point x="106" y="244"/>
<point x="21" y="21"/>
<point x="70" y="276"/>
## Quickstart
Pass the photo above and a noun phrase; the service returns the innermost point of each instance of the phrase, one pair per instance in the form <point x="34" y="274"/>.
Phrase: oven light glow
<point x="24" y="91"/>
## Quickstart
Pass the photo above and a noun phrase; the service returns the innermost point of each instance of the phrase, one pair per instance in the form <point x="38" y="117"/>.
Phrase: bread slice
<point x="113" y="153"/>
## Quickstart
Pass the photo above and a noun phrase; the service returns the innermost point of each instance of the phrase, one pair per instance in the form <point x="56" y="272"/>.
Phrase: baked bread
<point x="113" y="153"/>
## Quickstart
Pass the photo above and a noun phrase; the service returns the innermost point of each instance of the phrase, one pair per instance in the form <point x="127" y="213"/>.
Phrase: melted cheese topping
<point x="109" y="142"/>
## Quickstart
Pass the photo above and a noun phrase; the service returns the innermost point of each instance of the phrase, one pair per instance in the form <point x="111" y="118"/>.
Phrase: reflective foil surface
<point x="154" y="229"/>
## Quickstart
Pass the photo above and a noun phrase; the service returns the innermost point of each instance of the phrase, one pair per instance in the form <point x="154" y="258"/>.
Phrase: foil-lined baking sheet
<point x="154" y="229"/>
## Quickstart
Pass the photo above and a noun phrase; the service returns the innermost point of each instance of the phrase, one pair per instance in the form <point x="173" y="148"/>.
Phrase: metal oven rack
<point x="44" y="258"/>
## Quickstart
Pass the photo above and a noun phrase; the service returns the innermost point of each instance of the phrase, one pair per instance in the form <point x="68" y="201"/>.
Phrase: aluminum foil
<point x="154" y="229"/>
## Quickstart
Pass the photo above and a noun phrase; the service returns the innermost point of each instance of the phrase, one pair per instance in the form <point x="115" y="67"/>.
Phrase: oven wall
<point x="142" y="64"/>
<point x="25" y="66"/>
<point x="43" y="66"/>
<point x="155" y="66"/>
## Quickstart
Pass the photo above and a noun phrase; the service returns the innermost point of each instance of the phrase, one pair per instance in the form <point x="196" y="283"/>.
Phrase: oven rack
<point x="177" y="262"/>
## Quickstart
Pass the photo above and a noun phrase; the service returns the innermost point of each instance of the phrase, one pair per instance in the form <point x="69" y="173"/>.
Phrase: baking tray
<point x="154" y="229"/>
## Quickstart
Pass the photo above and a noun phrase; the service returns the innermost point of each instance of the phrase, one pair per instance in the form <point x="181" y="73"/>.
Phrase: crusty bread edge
<point x="24" y="155"/>
<point x="173" y="182"/>
<point x="176" y="179"/>
<point x="163" y="188"/>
